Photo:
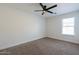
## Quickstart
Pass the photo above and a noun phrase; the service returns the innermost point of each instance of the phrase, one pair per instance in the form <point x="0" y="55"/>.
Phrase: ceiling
<point x="61" y="8"/>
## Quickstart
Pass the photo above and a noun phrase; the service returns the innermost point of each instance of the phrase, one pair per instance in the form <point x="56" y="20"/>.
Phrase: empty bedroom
<point x="39" y="28"/>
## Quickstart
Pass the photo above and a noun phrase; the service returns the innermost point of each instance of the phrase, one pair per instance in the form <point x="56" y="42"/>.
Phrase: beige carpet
<point x="44" y="46"/>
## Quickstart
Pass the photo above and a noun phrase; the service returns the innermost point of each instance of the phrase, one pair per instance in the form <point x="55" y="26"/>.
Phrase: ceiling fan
<point x="45" y="9"/>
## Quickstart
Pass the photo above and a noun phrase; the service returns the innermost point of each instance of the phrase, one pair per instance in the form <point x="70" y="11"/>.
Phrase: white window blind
<point x="68" y="26"/>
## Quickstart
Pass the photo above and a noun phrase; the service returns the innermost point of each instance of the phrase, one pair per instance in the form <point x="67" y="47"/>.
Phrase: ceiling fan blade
<point x="50" y="12"/>
<point x="38" y="10"/>
<point x="52" y="7"/>
<point x="42" y="5"/>
<point x="43" y="13"/>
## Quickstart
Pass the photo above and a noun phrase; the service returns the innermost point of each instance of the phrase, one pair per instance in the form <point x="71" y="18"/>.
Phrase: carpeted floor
<point x="44" y="46"/>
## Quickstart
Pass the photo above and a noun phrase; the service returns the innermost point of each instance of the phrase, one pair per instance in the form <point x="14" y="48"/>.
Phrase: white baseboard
<point x="12" y="45"/>
<point x="76" y="42"/>
<point x="37" y="39"/>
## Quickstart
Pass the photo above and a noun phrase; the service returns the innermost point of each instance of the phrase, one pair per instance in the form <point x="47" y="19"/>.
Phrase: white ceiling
<point x="61" y="8"/>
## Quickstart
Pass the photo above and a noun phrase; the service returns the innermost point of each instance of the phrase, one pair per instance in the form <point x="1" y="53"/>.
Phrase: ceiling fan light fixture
<point x="44" y="11"/>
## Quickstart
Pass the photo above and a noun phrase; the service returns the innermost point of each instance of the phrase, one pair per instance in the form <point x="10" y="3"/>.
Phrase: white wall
<point x="18" y="27"/>
<point x="54" y="27"/>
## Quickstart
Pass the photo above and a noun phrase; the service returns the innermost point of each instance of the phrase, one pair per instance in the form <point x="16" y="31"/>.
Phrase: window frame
<point x="73" y="26"/>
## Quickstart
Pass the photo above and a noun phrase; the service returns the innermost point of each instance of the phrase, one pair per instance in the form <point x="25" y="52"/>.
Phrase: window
<point x="68" y="26"/>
